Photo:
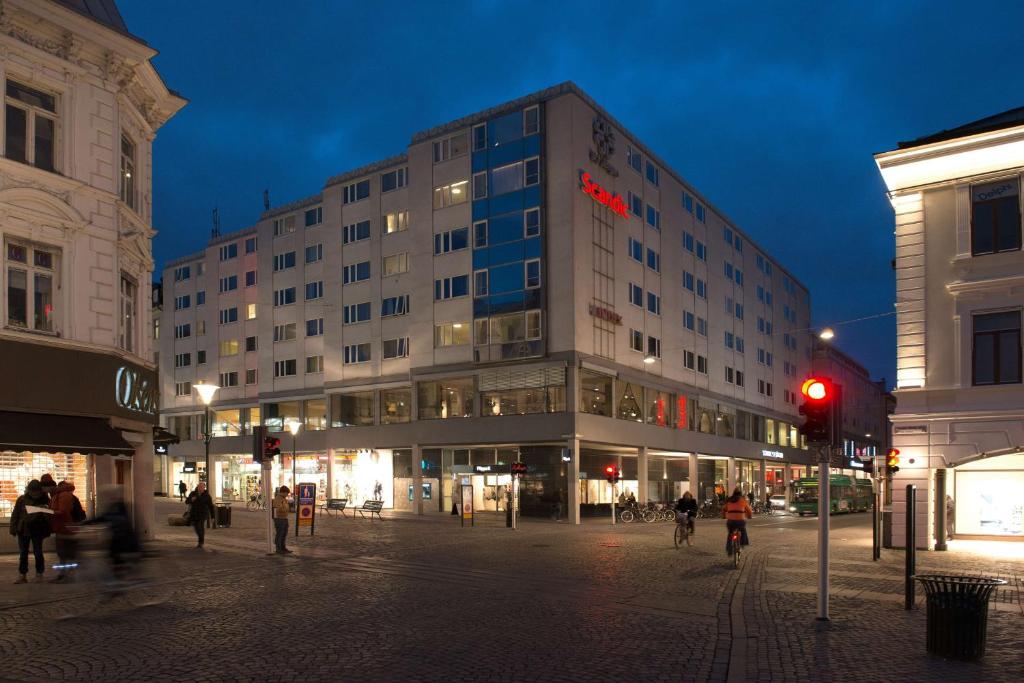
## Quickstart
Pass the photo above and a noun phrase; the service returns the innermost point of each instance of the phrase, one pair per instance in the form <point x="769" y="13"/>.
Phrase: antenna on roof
<point x="215" y="232"/>
<point x="266" y="200"/>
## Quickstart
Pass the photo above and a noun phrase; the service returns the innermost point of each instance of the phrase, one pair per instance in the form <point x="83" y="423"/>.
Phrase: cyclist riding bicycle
<point x="737" y="511"/>
<point x="687" y="505"/>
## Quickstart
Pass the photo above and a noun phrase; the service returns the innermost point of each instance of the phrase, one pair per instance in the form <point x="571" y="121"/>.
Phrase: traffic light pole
<point x="613" y="503"/>
<point x="824" y="506"/>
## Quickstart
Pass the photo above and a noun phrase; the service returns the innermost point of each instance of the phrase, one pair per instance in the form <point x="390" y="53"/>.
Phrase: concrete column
<point x="329" y="493"/>
<point x="417" y="479"/>
<point x="142" y="487"/>
<point x="572" y="477"/>
<point x="641" y="474"/>
<point x="730" y="477"/>
<point x="763" y="480"/>
<point x="213" y="480"/>
<point x="694" y="477"/>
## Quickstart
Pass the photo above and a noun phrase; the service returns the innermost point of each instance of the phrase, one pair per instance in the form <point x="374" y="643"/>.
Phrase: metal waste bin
<point x="957" y="614"/>
<point x="223" y="515"/>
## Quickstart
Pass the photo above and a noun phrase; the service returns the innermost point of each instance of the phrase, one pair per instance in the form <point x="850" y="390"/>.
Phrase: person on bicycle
<point x="736" y="512"/>
<point x="687" y="505"/>
<point x="124" y="543"/>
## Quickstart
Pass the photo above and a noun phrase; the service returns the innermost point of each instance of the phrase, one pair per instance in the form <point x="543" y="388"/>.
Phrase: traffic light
<point x="271" y="447"/>
<point x="612" y="473"/>
<point x="817" y="408"/>
<point x="892" y="462"/>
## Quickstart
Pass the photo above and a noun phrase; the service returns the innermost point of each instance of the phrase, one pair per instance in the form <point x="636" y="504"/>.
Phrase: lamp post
<point x="206" y="393"/>
<point x="293" y="427"/>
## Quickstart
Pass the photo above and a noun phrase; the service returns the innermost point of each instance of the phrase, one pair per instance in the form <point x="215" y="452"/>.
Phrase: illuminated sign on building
<point x="133" y="391"/>
<point x="771" y="454"/>
<point x="603" y="196"/>
<point x="604" y="314"/>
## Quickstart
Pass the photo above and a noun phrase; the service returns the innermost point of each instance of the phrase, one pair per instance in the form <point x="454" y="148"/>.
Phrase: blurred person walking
<point x="30" y="524"/>
<point x="200" y="509"/>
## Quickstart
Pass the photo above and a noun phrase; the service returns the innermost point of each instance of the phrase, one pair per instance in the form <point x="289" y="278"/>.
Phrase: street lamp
<point x="827" y="334"/>
<point x="649" y="359"/>
<point x="206" y="392"/>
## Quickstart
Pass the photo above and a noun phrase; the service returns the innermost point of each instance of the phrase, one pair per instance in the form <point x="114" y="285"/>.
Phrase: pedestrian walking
<point x="281" y="520"/>
<point x="31" y="525"/>
<point x="182" y="490"/>
<point x="950" y="510"/>
<point x="200" y="509"/>
<point x="67" y="512"/>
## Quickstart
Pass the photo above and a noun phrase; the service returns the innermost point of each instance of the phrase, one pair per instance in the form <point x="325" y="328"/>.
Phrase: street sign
<point x="305" y="507"/>
<point x="467" y="504"/>
<point x="519" y="468"/>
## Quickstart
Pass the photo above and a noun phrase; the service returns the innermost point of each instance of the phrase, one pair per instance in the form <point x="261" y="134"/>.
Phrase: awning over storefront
<point x="162" y="437"/>
<point x="41" y="433"/>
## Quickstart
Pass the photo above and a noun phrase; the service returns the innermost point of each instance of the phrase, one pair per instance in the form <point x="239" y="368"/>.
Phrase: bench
<point x="333" y="505"/>
<point x="371" y="506"/>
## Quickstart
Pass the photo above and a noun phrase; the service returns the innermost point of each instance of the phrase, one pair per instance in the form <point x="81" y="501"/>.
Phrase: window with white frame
<point x="250" y="278"/>
<point x="228" y="379"/>
<point x="251" y="376"/>
<point x="394" y="306"/>
<point x="229" y="347"/>
<point x="182" y="360"/>
<point x="250" y="245"/>
<point x="30" y="130"/>
<point x="395" y="264"/>
<point x="228" y="252"/>
<point x="357" y="353"/>
<point x="636" y="340"/>
<point x="395" y="348"/>
<point x="531" y="222"/>
<point x="532" y="273"/>
<point x="689" y="360"/>
<point x="636" y="250"/>
<point x="451" y="147"/>
<point x="451" y="334"/>
<point x="355" y="192"/>
<point x="128" y="320"/>
<point x="702" y="365"/>
<point x="531" y="120"/>
<point x="284" y="332"/>
<point x="228" y="283"/>
<point x="452" y="194"/>
<point x="479" y="234"/>
<point x="636" y="295"/>
<point x="284" y="225"/>
<point x="395" y="222"/>
<point x="314" y="364"/>
<point x="314" y="253"/>
<point x="653" y="347"/>
<point x="653" y="303"/>
<point x="182" y="273"/>
<point x="451" y="287"/>
<point x="183" y="331"/>
<point x="314" y="216"/>
<point x="480" y="185"/>
<point x="356" y="232"/>
<point x="284" y="261"/>
<point x="314" y="290"/>
<point x="451" y="240"/>
<point x="315" y="327"/>
<point x="355" y="272"/>
<point x="229" y="315"/>
<point x="479" y="137"/>
<point x="284" y="368"/>
<point x="33" y="285"/>
<point x="183" y="388"/>
<point x="284" y="297"/>
<point x="481" y="282"/>
<point x="392" y="180"/>
<point x="356" y="313"/>
<point x="127" y="184"/>
<point x="250" y="311"/>
<point x="252" y="343"/>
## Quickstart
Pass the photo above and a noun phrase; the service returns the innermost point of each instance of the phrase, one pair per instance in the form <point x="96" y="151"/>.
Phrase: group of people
<point x="46" y="508"/>
<point x="199" y="509"/>
<point x="736" y="511"/>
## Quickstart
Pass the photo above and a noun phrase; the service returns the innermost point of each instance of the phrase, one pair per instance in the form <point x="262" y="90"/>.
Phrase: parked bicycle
<point x="256" y="502"/>
<point x="633" y="512"/>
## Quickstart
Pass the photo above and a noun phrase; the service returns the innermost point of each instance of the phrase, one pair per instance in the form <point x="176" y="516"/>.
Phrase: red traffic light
<point x="893" y="458"/>
<point x="610" y="470"/>
<point x="816" y="389"/>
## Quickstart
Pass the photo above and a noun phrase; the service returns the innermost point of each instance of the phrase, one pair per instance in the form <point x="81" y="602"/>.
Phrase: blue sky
<point x="772" y="110"/>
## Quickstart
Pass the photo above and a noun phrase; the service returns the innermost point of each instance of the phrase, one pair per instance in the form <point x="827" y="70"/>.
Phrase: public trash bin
<point x="223" y="515"/>
<point x="957" y="614"/>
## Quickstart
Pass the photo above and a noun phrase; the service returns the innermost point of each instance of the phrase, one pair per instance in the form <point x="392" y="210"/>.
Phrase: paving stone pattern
<point x="422" y="599"/>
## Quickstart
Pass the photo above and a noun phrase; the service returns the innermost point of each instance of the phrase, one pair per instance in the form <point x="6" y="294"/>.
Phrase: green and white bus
<point x="845" y="495"/>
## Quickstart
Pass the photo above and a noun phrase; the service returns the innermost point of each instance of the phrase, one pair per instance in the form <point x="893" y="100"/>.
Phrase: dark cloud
<point x="772" y="110"/>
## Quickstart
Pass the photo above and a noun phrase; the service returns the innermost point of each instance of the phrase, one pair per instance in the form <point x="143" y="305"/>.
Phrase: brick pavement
<point x="422" y="599"/>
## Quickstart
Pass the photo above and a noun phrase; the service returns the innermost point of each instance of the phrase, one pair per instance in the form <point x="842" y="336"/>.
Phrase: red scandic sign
<point x="603" y="196"/>
<point x="604" y="314"/>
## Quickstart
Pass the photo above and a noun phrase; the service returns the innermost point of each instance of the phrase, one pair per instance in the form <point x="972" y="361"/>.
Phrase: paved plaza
<point x="410" y="599"/>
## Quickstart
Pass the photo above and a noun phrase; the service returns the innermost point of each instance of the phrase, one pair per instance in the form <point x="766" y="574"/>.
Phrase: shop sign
<point x="778" y="455"/>
<point x="305" y="508"/>
<point x="482" y="468"/>
<point x="602" y="196"/>
<point x="133" y="391"/>
<point x="518" y="468"/>
<point x="188" y="467"/>
<point x="604" y="314"/>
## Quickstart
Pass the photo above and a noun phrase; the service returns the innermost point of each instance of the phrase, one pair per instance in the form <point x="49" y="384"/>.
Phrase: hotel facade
<point x="959" y="424"/>
<point x="529" y="283"/>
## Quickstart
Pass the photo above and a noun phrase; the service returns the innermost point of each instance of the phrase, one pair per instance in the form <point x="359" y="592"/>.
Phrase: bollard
<point x="911" y="543"/>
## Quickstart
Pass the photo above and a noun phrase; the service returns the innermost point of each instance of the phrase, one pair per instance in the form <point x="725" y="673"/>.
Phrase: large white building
<point x="82" y="106"/>
<point x="530" y="283"/>
<point x="959" y="424"/>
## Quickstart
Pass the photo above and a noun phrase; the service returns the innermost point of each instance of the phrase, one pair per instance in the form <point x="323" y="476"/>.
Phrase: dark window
<point x="997" y="350"/>
<point x="995" y="217"/>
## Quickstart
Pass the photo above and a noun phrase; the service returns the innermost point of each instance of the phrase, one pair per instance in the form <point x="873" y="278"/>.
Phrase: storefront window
<point x="227" y="422"/>
<point x="706" y="419"/>
<point x="395" y="406"/>
<point x="445" y="399"/>
<point x="278" y="415"/>
<point x="316" y="414"/>
<point x="524" y="401"/>
<point x="629" y="403"/>
<point x="181" y="427"/>
<point x="783" y="434"/>
<point x="595" y="393"/>
<point x="683" y="413"/>
<point x="352" y="410"/>
<point x="17" y="469"/>
<point x="725" y="422"/>
<point x="742" y="425"/>
<point x="769" y="430"/>
<point x="659" y="407"/>
<point x="794" y="436"/>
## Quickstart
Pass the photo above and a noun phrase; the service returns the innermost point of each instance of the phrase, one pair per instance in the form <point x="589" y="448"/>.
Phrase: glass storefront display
<point x="595" y="393"/>
<point x="659" y="407"/>
<point x="238" y="477"/>
<point x="988" y="497"/>
<point x="705" y="418"/>
<point x="667" y="478"/>
<point x="309" y="468"/>
<point x="278" y="415"/>
<point x="315" y="410"/>
<point x="712" y="476"/>
<point x="629" y="407"/>
<point x="395" y="406"/>
<point x="769" y="431"/>
<point x="726" y="421"/>
<point x="364" y="475"/>
<point x="549" y="399"/>
<point x="18" y="468"/>
<point x="226" y="422"/>
<point x="352" y="410"/>
<point x="447" y="398"/>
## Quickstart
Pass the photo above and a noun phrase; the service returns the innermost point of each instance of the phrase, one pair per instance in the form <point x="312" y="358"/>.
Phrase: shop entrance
<point x="490" y="492"/>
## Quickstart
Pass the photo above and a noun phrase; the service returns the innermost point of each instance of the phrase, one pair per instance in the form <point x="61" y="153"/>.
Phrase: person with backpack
<point x="67" y="512"/>
<point x="30" y="527"/>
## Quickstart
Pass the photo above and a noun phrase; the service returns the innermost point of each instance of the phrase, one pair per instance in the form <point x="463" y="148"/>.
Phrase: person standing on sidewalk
<point x="281" y="519"/>
<point x="182" y="490"/>
<point x="30" y="528"/>
<point x="67" y="512"/>
<point x="200" y="509"/>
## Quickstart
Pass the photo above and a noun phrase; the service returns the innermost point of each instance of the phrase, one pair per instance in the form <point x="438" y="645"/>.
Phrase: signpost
<point x="518" y="469"/>
<point x="305" y="507"/>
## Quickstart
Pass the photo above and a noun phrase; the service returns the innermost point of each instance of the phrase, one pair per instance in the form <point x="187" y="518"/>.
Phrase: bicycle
<point x="634" y="512"/>
<point x="735" y="538"/>
<point x="684" y="530"/>
<point x="256" y="503"/>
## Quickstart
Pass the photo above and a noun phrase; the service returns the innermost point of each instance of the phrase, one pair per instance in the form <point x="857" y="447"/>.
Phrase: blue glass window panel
<point x="531" y="196"/>
<point x="481" y="259"/>
<point x="481" y="210"/>
<point x="505" y="129"/>
<point x="532" y="248"/>
<point x="532" y="299"/>
<point x="460" y="239"/>
<point x="506" y="228"/>
<point x="506" y="253"/>
<point x="481" y="308"/>
<point x="506" y="203"/>
<point x="479" y="162"/>
<point x="499" y="156"/>
<point x="531" y="146"/>
<point x="460" y="285"/>
<point x="507" y="303"/>
<point x="507" y="278"/>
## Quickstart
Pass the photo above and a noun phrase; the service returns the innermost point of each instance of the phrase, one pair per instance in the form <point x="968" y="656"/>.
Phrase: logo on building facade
<point x="602" y="196"/>
<point x="604" y="146"/>
<point x="604" y="314"/>
<point x="778" y="455"/>
<point x="133" y="392"/>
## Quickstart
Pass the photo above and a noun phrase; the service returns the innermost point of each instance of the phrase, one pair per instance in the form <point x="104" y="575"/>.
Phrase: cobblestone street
<point x="408" y="598"/>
